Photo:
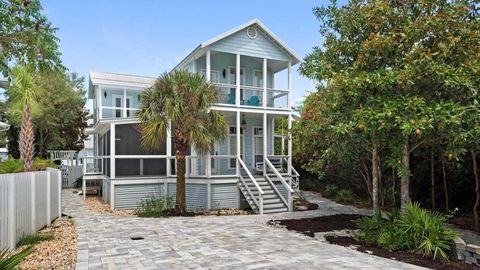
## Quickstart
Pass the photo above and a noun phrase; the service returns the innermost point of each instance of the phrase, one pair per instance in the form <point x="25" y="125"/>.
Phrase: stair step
<point x="271" y="201"/>
<point x="277" y="210"/>
<point x="273" y="206"/>
<point x="255" y="192"/>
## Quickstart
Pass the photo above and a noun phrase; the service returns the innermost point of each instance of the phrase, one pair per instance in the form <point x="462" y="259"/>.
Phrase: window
<point x="258" y="144"/>
<point x="118" y="104"/>
<point x="258" y="78"/>
<point x="232" y="146"/>
<point x="214" y="75"/>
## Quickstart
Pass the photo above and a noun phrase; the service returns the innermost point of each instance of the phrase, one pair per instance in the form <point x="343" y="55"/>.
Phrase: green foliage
<point x="302" y="198"/>
<point x="29" y="240"/>
<point x="8" y="261"/>
<point x="155" y="207"/>
<point x="11" y="165"/>
<point x="27" y="37"/>
<point x="344" y="195"/>
<point x="330" y="191"/>
<point x="416" y="230"/>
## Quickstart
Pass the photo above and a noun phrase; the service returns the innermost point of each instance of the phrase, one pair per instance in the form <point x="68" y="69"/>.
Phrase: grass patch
<point x="33" y="239"/>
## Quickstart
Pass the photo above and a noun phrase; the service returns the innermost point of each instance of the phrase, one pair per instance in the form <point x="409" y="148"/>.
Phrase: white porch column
<point x="208" y="69"/>
<point x="208" y="160"/>
<point x="289" y="86"/>
<point x="264" y="100"/>
<point x="238" y="142"/>
<point x="272" y="142"/>
<point x="124" y="103"/>
<point x="289" y="167"/>
<point x="99" y="101"/>
<point x="169" y="147"/>
<point x="112" y="151"/>
<point x="237" y="80"/>
<point x="265" y="143"/>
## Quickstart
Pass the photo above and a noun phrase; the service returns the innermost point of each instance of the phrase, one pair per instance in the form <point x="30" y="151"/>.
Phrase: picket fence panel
<point x="28" y="202"/>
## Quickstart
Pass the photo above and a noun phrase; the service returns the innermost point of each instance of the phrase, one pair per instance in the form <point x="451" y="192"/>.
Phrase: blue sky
<point x="151" y="37"/>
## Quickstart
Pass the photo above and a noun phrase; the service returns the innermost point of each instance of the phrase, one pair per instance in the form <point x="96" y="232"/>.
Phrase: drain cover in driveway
<point x="136" y="238"/>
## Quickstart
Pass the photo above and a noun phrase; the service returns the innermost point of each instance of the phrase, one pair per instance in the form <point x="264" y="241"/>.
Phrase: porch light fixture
<point x="243" y="123"/>
<point x="105" y="93"/>
<point x="138" y="97"/>
<point x="224" y="73"/>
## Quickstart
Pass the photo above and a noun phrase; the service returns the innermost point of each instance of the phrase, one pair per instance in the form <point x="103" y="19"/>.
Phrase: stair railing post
<point x="260" y="202"/>
<point x="290" y="202"/>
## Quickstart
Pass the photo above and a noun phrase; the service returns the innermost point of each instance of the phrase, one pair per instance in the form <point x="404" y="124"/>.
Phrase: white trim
<point x="253" y="143"/>
<point x="112" y="151"/>
<point x="207" y="57"/>
<point x="225" y="180"/>
<point x="244" y="75"/>
<point x="261" y="27"/>
<point x="228" y="144"/>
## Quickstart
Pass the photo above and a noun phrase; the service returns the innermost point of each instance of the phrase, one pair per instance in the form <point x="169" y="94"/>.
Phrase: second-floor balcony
<point x="252" y="96"/>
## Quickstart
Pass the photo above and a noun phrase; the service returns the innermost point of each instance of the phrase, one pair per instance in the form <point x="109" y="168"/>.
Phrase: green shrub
<point x="344" y="195"/>
<point x="10" y="262"/>
<point x="40" y="164"/>
<point x="416" y="230"/>
<point x="11" y="165"/>
<point x="330" y="191"/>
<point x="33" y="239"/>
<point x="154" y="206"/>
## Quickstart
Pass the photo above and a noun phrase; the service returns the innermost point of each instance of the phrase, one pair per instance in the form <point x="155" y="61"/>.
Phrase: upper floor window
<point x="214" y="75"/>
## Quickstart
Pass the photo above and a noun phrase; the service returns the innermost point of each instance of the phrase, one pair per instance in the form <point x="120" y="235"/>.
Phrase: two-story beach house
<point x="252" y="167"/>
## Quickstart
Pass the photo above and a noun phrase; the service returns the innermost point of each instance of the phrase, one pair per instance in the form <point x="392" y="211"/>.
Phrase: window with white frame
<point x="214" y="75"/>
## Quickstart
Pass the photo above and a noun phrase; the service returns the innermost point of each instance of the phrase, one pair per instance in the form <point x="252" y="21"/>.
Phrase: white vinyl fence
<point x="28" y="202"/>
<point x="70" y="173"/>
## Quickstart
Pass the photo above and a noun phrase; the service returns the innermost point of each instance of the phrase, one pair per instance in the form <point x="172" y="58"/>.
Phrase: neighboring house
<point x="241" y="171"/>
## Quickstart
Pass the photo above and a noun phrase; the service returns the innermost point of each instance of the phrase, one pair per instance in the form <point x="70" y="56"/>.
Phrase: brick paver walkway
<point x="211" y="242"/>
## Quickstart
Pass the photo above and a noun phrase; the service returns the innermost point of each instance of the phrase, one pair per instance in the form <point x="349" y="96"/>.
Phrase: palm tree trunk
<point x="26" y="140"/>
<point x="180" y="204"/>
<point x="476" y="208"/>
<point x="432" y="174"/>
<point x="445" y="186"/>
<point x="405" y="181"/>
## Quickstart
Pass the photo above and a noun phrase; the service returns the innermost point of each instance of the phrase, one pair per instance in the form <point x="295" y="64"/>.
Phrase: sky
<point x="150" y="37"/>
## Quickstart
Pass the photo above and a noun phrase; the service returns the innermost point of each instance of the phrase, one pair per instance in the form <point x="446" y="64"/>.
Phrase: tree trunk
<point x="375" y="180"/>
<point x="180" y="204"/>
<point x="432" y="172"/>
<point x="445" y="186"/>
<point x="405" y="181"/>
<point x="393" y="188"/>
<point x="26" y="140"/>
<point x="476" y="208"/>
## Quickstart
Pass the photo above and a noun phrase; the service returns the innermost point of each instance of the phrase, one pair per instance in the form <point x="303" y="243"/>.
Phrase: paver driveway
<point x="225" y="242"/>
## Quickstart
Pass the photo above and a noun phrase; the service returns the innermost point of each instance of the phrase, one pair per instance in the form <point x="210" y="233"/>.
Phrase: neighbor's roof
<point x="116" y="79"/>
<point x="260" y="25"/>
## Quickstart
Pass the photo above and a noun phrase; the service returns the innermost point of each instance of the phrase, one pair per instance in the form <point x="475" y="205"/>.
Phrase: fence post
<point x="49" y="219"/>
<point x="33" y="204"/>
<point x="59" y="179"/>
<point x="11" y="212"/>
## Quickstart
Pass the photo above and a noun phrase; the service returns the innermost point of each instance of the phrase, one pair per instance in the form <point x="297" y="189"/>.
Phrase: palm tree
<point x="22" y="96"/>
<point x="185" y="99"/>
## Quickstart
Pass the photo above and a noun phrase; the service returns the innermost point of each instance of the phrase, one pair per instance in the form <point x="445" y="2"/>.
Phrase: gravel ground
<point x="59" y="253"/>
<point x="96" y="204"/>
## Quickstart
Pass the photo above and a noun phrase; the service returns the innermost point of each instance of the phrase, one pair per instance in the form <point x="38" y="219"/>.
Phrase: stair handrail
<point x="276" y="190"/>
<point x="284" y="183"/>
<point x="259" y="203"/>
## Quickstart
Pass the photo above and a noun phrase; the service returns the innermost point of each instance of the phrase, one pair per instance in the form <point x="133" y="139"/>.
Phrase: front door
<point x="257" y="147"/>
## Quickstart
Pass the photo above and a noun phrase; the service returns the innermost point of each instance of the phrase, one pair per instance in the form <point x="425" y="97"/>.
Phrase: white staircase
<point x="272" y="203"/>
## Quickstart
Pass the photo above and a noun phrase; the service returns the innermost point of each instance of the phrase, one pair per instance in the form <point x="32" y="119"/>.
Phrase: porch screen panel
<point x="127" y="167"/>
<point x="155" y="167"/>
<point x="127" y="142"/>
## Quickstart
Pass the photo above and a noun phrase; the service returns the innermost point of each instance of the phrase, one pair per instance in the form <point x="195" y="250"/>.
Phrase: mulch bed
<point x="403" y="256"/>
<point x="309" y="226"/>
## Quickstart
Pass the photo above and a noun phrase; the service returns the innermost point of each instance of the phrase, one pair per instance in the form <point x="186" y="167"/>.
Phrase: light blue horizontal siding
<point x="128" y="196"/>
<point x="195" y="194"/>
<point x="261" y="46"/>
<point x="224" y="196"/>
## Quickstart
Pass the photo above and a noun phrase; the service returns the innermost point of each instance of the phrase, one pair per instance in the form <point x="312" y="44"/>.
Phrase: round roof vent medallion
<point x="252" y="32"/>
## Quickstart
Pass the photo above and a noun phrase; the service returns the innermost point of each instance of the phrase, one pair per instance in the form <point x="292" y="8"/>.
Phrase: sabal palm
<point x="185" y="99"/>
<point x="21" y="98"/>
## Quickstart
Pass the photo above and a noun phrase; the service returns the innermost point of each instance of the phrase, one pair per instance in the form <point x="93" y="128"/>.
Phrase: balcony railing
<point x="252" y="96"/>
<point x="118" y="112"/>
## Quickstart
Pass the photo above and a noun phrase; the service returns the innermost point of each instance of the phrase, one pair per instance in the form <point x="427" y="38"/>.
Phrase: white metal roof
<point x="260" y="25"/>
<point x="116" y="79"/>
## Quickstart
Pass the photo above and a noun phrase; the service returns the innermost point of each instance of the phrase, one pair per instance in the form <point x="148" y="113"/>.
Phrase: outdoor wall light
<point x="244" y="122"/>
<point x="138" y="97"/>
<point x="105" y="93"/>
<point x="224" y="73"/>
